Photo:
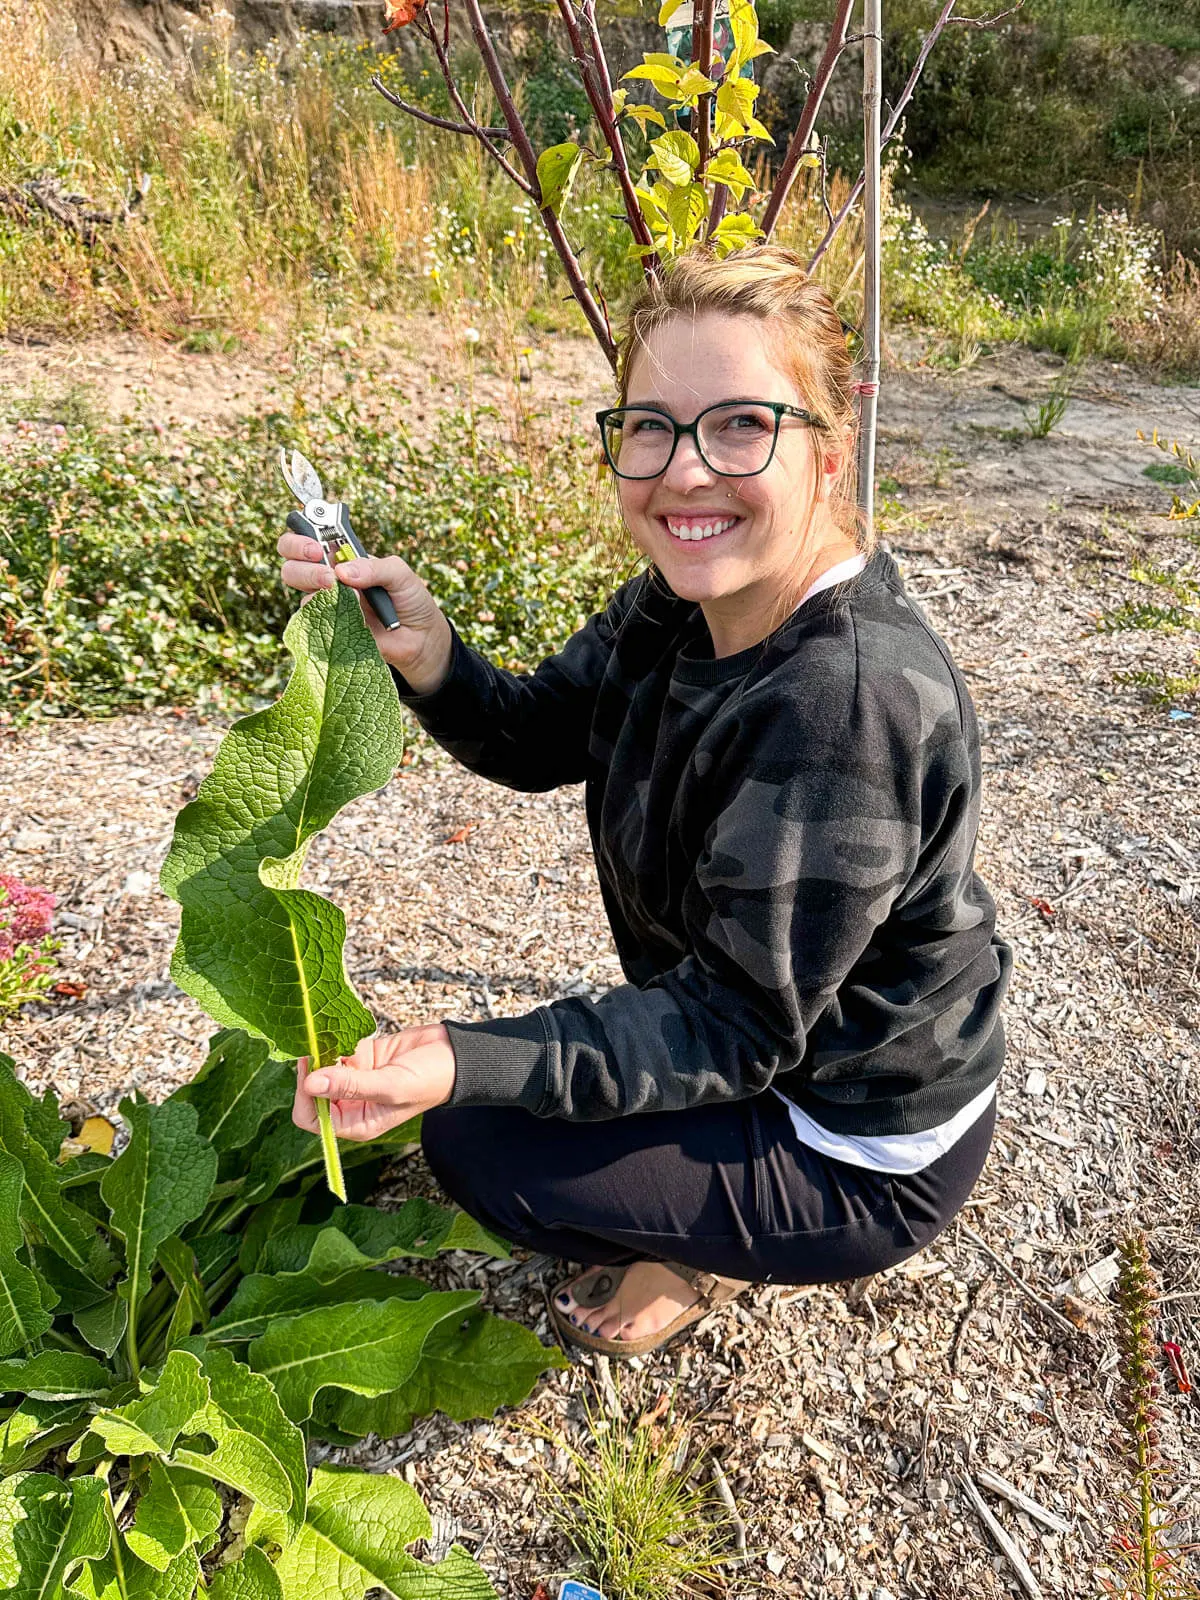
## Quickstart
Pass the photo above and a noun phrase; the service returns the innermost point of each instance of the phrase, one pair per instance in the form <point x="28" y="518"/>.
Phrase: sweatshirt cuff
<point x="458" y="686"/>
<point x="502" y="1062"/>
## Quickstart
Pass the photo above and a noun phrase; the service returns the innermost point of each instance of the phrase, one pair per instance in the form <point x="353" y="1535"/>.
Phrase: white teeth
<point x="699" y="530"/>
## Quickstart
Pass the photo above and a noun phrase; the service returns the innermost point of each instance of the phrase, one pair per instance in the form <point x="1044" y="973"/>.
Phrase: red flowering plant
<point x="26" y="949"/>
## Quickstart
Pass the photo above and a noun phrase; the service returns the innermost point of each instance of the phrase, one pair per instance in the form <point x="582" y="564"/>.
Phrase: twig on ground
<point x="1023" y="1502"/>
<point x="1017" y="1561"/>
<point x="1054" y="1316"/>
<point x="725" y="1496"/>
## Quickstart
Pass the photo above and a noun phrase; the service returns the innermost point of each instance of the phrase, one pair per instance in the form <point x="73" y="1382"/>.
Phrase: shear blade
<point x="301" y="477"/>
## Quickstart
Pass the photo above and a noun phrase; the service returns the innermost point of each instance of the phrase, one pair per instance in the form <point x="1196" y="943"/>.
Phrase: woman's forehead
<point x="696" y="361"/>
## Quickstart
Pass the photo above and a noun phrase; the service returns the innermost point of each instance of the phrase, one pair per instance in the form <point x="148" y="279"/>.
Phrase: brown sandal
<point x="712" y="1291"/>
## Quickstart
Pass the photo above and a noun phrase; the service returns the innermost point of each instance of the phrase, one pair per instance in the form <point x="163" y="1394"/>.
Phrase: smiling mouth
<point x="693" y="529"/>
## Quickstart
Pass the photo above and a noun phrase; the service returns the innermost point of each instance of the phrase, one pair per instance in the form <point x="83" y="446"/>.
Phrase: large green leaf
<point x="251" y="1578"/>
<point x="257" y="952"/>
<point x="151" y="1424"/>
<point x="28" y="1434"/>
<point x="49" y="1527"/>
<point x="101" y="1580"/>
<point x="178" y="1509"/>
<point x="354" y="1539"/>
<point x="45" y="1214"/>
<point x="103" y="1325"/>
<point x="469" y="1367"/>
<point x="362" y="1236"/>
<point x="237" y="1088"/>
<point x="260" y="1300"/>
<point x="23" y="1318"/>
<point x="254" y="1447"/>
<point x="56" y="1375"/>
<point x="368" y="1348"/>
<point x="178" y="1261"/>
<point x="160" y="1182"/>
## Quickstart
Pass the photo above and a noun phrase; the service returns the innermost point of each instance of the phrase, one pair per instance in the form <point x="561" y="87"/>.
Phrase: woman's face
<point x="765" y="546"/>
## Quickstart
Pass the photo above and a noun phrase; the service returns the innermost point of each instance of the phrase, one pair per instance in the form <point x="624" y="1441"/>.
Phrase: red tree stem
<point x="798" y="143"/>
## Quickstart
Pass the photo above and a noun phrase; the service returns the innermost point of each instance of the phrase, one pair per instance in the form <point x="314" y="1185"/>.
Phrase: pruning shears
<point x="328" y="522"/>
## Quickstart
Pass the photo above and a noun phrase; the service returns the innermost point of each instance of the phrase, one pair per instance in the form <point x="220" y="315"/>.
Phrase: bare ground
<point x="844" y="1426"/>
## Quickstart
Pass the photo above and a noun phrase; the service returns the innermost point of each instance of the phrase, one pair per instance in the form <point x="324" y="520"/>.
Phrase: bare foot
<point x="649" y="1297"/>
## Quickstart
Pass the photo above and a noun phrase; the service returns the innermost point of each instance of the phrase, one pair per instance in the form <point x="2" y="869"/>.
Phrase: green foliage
<point x="139" y="569"/>
<point x="122" y="1462"/>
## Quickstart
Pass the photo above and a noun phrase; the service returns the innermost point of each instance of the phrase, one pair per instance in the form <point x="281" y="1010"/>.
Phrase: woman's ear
<point x="833" y="457"/>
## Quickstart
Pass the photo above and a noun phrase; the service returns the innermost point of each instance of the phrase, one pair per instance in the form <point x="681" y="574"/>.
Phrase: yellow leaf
<point x="667" y="10"/>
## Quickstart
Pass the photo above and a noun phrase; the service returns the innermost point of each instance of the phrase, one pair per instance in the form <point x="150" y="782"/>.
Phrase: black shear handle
<point x="379" y="599"/>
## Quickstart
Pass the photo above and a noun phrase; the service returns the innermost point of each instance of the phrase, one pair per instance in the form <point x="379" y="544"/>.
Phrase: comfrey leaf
<point x="255" y="950"/>
<point x="264" y="1298"/>
<point x="469" y="1367"/>
<point x="354" y="1539"/>
<point x="244" y="1439"/>
<point x="23" y="1318"/>
<point x="161" y="1181"/>
<point x="56" y="1375"/>
<point x="28" y="1434"/>
<point x="237" y="1088"/>
<point x="134" y="1580"/>
<point x="368" y="1348"/>
<point x="178" y="1509"/>
<point x="362" y="1236"/>
<point x="152" y="1424"/>
<point x="251" y="1578"/>
<point x="50" y="1527"/>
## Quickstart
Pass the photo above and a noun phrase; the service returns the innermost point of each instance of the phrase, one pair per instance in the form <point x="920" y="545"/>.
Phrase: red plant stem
<point x="441" y="49"/>
<point x="702" y="50"/>
<point x="927" y="45"/>
<point x="516" y="128"/>
<point x="593" y="73"/>
<point x="720" y="200"/>
<point x="798" y="143"/>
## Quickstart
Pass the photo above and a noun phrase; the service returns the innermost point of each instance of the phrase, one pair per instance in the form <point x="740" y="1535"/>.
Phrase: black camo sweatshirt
<point x="784" y="840"/>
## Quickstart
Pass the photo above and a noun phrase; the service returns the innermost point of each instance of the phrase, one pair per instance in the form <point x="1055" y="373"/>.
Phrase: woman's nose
<point x="686" y="467"/>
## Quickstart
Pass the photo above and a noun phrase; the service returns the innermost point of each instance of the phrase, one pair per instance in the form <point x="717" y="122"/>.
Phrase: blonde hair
<point x="808" y="344"/>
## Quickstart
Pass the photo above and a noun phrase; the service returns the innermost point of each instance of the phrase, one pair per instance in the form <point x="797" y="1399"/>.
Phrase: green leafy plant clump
<point x="178" y="1322"/>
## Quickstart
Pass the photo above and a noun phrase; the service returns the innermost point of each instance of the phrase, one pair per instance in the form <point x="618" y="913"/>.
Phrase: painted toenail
<point x="564" y="1300"/>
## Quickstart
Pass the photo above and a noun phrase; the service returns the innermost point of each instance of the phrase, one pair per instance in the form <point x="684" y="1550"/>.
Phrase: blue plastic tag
<point x="572" y="1589"/>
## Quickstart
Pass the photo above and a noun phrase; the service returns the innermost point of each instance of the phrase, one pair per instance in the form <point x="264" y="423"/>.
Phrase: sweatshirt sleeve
<point x="528" y="731"/>
<point x="817" y="831"/>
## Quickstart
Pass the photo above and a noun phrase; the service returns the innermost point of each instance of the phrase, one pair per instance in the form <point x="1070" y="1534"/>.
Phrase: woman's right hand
<point x="420" y="647"/>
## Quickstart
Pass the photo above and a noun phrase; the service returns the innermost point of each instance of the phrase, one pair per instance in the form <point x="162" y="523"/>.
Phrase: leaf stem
<point x="329" y="1149"/>
<point x="131" y="1341"/>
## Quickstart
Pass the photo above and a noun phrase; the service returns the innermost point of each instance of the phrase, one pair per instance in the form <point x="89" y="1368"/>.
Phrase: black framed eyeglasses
<point x="734" y="438"/>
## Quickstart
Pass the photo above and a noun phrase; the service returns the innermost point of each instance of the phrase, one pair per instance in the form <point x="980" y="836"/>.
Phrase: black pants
<point x="724" y="1188"/>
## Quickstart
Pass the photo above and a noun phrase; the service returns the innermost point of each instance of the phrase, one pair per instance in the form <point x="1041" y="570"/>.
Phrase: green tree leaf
<point x="23" y="1319"/>
<point x="354" y="1539"/>
<point x="160" y="1181"/>
<point x="251" y="1578"/>
<point x="262" y="1299"/>
<point x="727" y="167"/>
<point x="368" y="1348"/>
<point x="254" y="1446"/>
<point x="735" y="232"/>
<point x="686" y="211"/>
<point x="643" y="114"/>
<point x="46" y="1216"/>
<point x="50" y="1527"/>
<point x="676" y="155"/>
<point x="664" y="78"/>
<point x="56" y="1375"/>
<point x="469" y="1367"/>
<point x="257" y="952"/>
<point x="178" y="1509"/>
<point x="151" y="1424"/>
<point x="556" y="169"/>
<point x="237" y="1088"/>
<point x="735" y="107"/>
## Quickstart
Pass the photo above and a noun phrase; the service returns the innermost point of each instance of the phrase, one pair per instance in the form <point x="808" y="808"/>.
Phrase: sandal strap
<point x="712" y="1289"/>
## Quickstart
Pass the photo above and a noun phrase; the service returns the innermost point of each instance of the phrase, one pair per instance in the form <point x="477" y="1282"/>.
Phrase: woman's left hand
<point x="388" y="1080"/>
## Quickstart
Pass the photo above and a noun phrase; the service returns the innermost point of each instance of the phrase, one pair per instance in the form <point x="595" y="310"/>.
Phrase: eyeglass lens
<point x="736" y="439"/>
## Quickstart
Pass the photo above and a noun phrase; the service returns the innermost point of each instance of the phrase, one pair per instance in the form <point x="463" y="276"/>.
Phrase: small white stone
<point x="776" y="1562"/>
<point x="1035" y="1083"/>
<point x="138" y="882"/>
<point x="903" y="1362"/>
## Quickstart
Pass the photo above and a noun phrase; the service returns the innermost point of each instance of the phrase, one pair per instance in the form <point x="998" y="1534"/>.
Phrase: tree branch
<point x="378" y="84"/>
<point x="593" y="74"/>
<point x="441" y="49"/>
<point x="927" y="45"/>
<point x="520" y="138"/>
<point x="798" y="143"/>
<point x="702" y="52"/>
